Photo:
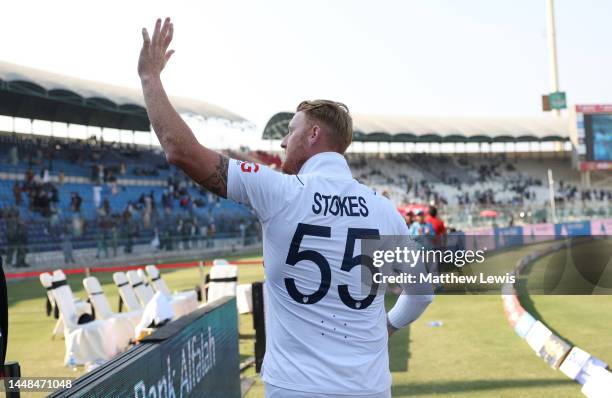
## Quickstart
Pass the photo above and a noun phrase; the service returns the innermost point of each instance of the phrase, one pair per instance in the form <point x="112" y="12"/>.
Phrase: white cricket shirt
<point x="323" y="335"/>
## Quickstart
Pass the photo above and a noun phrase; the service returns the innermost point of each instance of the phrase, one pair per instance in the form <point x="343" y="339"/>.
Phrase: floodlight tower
<point x="552" y="49"/>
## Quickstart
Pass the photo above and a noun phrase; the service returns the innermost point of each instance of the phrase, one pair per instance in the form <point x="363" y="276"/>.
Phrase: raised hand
<point x="154" y="53"/>
<point x="182" y="149"/>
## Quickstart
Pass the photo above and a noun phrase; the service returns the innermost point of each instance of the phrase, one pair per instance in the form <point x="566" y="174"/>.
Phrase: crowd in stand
<point x="180" y="228"/>
<point x="16" y="237"/>
<point x="569" y="192"/>
<point x="179" y="215"/>
<point x="462" y="180"/>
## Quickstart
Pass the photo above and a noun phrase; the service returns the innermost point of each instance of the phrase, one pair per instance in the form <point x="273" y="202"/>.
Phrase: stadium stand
<point x="459" y="180"/>
<point x="67" y="195"/>
<point x="467" y="165"/>
<point x="515" y="185"/>
<point x="61" y="194"/>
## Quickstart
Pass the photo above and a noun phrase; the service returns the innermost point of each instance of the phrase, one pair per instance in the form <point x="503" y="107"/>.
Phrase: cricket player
<point x="323" y="338"/>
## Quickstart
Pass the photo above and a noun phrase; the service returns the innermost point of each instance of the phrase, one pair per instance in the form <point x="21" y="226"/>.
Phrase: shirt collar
<point x="328" y="164"/>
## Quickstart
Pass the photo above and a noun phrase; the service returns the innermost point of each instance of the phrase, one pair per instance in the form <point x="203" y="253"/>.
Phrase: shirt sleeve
<point x="260" y="187"/>
<point x="407" y="309"/>
<point x="415" y="297"/>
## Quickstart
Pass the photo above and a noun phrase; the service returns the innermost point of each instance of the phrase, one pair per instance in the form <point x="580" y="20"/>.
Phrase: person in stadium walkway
<point x="409" y="218"/>
<point x="438" y="227"/>
<point x="437" y="224"/>
<point x="424" y="233"/>
<point x="323" y="338"/>
<point x="420" y="227"/>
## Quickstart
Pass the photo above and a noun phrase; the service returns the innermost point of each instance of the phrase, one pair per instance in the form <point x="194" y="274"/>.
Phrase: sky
<point x="259" y="57"/>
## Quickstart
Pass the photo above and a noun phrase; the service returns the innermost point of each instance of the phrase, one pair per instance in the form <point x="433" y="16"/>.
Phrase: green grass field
<point x="474" y="354"/>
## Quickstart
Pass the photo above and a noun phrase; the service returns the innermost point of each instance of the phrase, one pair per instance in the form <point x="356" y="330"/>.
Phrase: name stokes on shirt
<point x="352" y="206"/>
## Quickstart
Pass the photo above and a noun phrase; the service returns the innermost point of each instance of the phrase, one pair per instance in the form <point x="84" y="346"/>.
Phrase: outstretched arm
<point x="415" y="297"/>
<point x="406" y="310"/>
<point x="206" y="167"/>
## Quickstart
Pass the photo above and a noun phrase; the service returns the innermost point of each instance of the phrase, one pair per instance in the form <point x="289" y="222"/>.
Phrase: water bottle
<point x="72" y="364"/>
<point x="89" y="366"/>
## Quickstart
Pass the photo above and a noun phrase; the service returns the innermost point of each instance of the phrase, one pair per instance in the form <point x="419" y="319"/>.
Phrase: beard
<point x="292" y="163"/>
<point x="286" y="166"/>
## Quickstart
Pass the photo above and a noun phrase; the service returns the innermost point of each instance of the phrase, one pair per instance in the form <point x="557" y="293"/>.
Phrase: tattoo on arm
<point x="217" y="181"/>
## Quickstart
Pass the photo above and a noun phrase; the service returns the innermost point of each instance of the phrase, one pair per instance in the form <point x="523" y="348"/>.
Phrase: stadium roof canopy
<point x="36" y="94"/>
<point x="368" y="128"/>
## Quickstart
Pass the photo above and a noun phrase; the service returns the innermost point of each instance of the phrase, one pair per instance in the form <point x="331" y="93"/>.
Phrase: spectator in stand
<point x="195" y="232"/>
<point x="45" y="176"/>
<point x="203" y="234"/>
<point x="11" y="217"/>
<point x="184" y="231"/>
<point x="111" y="177"/>
<point x="167" y="233"/>
<point x="14" y="155"/>
<point x="94" y="173"/>
<point x="146" y="211"/>
<point x="75" y="202"/>
<point x="17" y="193"/>
<point x="67" y="248"/>
<point x="104" y="227"/>
<point x="29" y="176"/>
<point x="114" y="234"/>
<point x="77" y="225"/>
<point x="100" y="176"/>
<point x="166" y="200"/>
<point x="212" y="230"/>
<point x="130" y="230"/>
<point x="22" y="243"/>
<point x="97" y="195"/>
<point x="185" y="202"/>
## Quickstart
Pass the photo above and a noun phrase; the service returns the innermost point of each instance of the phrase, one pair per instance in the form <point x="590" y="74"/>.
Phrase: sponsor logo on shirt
<point x="249" y="167"/>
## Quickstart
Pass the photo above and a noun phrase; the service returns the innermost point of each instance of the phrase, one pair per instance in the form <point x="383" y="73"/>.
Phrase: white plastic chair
<point x="220" y="261"/>
<point x="223" y="280"/>
<point x="82" y="307"/>
<point x="125" y="321"/>
<point x="141" y="287"/>
<point x="244" y="298"/>
<point x="126" y="292"/>
<point x="88" y="342"/>
<point x="190" y="297"/>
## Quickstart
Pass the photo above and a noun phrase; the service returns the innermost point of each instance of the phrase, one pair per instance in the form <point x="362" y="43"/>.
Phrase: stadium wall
<point x="142" y="254"/>
<point x="495" y="239"/>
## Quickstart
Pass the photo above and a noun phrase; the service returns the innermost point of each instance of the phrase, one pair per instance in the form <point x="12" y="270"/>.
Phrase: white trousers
<point x="277" y="392"/>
